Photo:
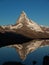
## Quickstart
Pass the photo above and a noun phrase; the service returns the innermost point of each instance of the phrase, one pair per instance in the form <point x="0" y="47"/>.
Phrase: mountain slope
<point x="26" y="27"/>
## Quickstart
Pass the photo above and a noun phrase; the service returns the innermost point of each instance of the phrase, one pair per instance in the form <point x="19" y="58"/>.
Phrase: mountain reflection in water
<point x="12" y="52"/>
<point x="28" y="47"/>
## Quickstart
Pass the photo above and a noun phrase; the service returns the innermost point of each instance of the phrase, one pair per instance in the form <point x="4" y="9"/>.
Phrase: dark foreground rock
<point x="46" y="60"/>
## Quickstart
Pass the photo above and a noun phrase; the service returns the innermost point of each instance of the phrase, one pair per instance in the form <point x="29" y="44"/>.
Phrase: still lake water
<point x="10" y="54"/>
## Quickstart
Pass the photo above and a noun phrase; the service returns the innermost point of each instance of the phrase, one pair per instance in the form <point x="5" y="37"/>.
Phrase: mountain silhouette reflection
<point x="12" y="63"/>
<point x="10" y="38"/>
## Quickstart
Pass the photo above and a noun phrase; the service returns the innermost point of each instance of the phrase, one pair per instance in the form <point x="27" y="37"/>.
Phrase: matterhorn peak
<point x="22" y="18"/>
<point x="23" y="14"/>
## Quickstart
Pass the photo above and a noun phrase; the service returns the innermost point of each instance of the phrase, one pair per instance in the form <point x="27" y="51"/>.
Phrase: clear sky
<point x="37" y="10"/>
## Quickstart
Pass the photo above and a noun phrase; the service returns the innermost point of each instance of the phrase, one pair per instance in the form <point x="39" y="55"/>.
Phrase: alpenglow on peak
<point x="23" y="13"/>
<point x="23" y="17"/>
<point x="24" y="21"/>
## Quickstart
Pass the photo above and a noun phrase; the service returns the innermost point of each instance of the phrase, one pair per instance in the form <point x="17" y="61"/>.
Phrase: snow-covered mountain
<point x="27" y="27"/>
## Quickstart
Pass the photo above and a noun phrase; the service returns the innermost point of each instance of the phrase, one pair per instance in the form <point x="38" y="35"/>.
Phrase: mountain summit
<point x="22" y="18"/>
<point x="25" y="21"/>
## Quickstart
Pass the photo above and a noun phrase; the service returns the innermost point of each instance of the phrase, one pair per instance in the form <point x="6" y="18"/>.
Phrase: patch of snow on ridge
<point x="17" y="26"/>
<point x="34" y="26"/>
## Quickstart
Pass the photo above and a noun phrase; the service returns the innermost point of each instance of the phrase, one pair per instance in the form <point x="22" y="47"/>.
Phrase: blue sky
<point x="37" y="10"/>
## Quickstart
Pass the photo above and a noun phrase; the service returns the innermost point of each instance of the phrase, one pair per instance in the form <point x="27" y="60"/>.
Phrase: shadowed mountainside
<point x="9" y="38"/>
<point x="12" y="63"/>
